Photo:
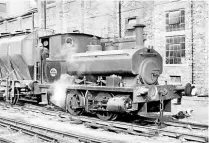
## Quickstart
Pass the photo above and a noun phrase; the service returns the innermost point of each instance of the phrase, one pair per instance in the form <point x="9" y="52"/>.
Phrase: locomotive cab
<point x="60" y="46"/>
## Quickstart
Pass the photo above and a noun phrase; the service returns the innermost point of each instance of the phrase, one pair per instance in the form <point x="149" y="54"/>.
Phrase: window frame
<point x="181" y="51"/>
<point x="172" y="81"/>
<point x="48" y="2"/>
<point x="178" y="27"/>
<point x="49" y="5"/>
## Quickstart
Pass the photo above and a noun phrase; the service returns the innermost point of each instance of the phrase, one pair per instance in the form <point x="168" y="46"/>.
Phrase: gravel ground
<point x="48" y="121"/>
<point x="200" y="114"/>
<point x="199" y="105"/>
<point x="18" y="137"/>
<point x="81" y="129"/>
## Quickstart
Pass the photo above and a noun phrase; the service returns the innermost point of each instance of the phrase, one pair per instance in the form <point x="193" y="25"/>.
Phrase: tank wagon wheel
<point x="16" y="96"/>
<point x="74" y="100"/>
<point x="101" y="99"/>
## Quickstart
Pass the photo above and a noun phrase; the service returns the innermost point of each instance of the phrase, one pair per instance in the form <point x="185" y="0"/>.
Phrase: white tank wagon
<point x="18" y="57"/>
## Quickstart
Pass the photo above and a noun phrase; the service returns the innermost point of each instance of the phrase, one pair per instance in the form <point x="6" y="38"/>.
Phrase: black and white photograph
<point x="104" y="71"/>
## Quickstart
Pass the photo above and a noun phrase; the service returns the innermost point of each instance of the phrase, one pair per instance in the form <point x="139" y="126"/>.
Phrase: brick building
<point x="178" y="29"/>
<point x="17" y="15"/>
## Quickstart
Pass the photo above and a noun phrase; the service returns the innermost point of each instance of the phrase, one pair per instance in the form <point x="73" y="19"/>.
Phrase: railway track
<point x="2" y="140"/>
<point x="186" y="124"/>
<point x="46" y="134"/>
<point x="129" y="128"/>
<point x="177" y="123"/>
<point x="167" y="121"/>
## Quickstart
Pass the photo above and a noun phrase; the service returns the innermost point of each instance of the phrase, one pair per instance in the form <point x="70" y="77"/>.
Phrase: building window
<point x="175" y="20"/>
<point x="175" y="79"/>
<point x="3" y="7"/>
<point x="48" y="2"/>
<point x="175" y="49"/>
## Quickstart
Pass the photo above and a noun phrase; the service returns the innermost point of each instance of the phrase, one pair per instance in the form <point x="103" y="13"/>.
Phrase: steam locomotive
<point x="103" y="78"/>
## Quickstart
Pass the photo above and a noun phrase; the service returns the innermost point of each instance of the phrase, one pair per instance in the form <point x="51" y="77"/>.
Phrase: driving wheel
<point x="101" y="100"/>
<point x="74" y="102"/>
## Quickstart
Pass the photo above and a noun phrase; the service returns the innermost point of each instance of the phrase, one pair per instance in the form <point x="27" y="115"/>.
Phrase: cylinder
<point x="139" y="35"/>
<point x="119" y="104"/>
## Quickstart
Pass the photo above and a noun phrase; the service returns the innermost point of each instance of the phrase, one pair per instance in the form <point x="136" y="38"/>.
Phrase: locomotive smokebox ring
<point x="149" y="71"/>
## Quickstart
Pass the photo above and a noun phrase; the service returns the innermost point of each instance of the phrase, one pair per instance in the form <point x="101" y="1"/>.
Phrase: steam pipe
<point x="139" y="35"/>
<point x="44" y="14"/>
<point x="192" y="37"/>
<point x="119" y="9"/>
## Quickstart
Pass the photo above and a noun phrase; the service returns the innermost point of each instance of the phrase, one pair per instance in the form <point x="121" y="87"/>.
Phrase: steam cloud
<point x="59" y="89"/>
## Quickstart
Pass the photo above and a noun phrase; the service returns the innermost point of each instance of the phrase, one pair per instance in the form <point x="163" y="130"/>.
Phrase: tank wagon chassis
<point x="24" y="90"/>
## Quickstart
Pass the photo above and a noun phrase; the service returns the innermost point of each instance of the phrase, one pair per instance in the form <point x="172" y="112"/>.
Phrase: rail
<point x="44" y="133"/>
<point x="130" y="128"/>
<point x="2" y="140"/>
<point x="177" y="123"/>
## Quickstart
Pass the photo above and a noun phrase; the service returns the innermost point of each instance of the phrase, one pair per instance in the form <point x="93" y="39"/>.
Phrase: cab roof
<point x="73" y="33"/>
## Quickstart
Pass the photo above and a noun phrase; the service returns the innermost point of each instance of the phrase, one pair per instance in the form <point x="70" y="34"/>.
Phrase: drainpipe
<point x="44" y="14"/>
<point x="192" y="37"/>
<point x="41" y="65"/>
<point x="119" y="12"/>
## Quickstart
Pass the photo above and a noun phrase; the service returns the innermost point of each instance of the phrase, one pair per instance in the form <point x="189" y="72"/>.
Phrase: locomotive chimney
<point x="139" y="35"/>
